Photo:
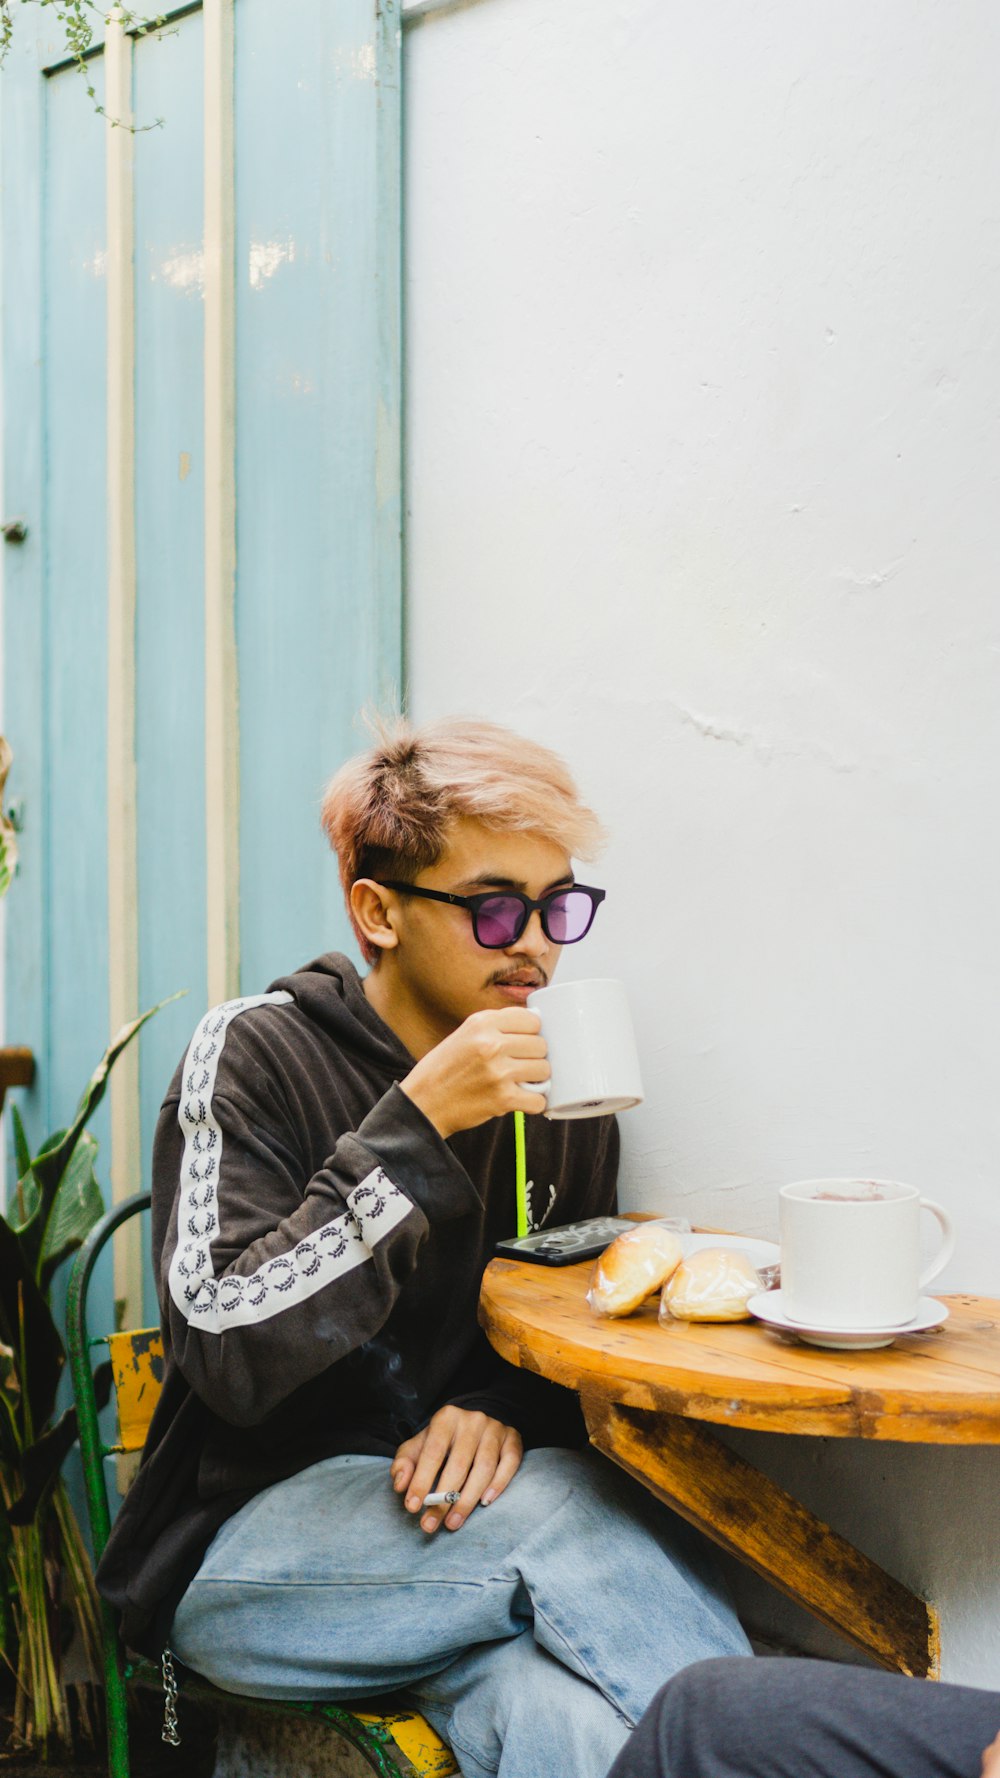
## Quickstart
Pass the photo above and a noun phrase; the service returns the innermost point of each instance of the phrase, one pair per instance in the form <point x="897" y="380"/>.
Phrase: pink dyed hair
<point x="386" y="812"/>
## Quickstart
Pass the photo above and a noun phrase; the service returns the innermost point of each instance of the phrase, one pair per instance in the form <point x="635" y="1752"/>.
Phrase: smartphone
<point x="565" y="1246"/>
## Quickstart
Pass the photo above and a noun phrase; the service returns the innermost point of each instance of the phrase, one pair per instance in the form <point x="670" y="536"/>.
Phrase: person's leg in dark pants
<point x="808" y="1719"/>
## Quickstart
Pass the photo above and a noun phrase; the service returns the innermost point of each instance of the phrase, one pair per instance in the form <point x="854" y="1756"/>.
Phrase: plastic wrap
<point x="714" y="1284"/>
<point x="633" y="1267"/>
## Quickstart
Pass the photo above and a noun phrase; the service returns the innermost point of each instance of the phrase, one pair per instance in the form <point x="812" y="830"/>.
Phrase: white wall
<point x="703" y="430"/>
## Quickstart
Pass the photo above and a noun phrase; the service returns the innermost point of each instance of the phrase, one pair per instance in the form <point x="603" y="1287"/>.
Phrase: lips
<point x="528" y="979"/>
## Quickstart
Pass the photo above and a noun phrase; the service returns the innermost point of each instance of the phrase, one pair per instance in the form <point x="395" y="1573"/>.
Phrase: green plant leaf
<point x="22" y="1153"/>
<point x="26" y="1203"/>
<point x="51" y="1161"/>
<point x="23" y="1305"/>
<point x="10" y="1443"/>
<point x="10" y="1447"/>
<point x="78" y="1205"/>
<point x="40" y="1464"/>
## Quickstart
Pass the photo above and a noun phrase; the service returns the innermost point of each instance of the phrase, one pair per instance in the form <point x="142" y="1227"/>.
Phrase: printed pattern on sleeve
<point x="374" y="1208"/>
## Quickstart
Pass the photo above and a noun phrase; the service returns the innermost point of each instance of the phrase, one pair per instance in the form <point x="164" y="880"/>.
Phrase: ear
<point x="374" y="911"/>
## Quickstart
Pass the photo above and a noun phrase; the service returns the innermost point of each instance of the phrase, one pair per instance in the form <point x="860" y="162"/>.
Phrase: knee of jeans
<point x="547" y="1478"/>
<point x="554" y="1475"/>
<point x="187" y="1635"/>
<point x="550" y="1466"/>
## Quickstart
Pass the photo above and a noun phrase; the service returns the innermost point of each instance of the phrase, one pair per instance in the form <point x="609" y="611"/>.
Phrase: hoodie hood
<point x="329" y="991"/>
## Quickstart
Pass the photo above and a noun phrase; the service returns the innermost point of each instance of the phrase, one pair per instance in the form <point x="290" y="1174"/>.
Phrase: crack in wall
<point x="762" y="750"/>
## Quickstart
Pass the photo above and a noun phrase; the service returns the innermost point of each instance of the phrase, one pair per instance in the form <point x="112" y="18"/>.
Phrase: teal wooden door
<point x="201" y="401"/>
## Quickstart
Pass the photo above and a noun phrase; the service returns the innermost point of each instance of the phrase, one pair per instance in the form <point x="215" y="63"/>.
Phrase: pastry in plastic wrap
<point x="632" y="1268"/>
<point x="714" y="1284"/>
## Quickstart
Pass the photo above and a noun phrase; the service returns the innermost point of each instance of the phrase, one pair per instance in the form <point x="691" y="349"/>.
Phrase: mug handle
<point x="947" y="1248"/>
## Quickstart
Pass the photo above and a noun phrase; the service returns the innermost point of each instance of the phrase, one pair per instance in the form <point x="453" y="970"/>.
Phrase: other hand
<point x="991" y="1759"/>
<point x="461" y="1449"/>
<point x="476" y="1073"/>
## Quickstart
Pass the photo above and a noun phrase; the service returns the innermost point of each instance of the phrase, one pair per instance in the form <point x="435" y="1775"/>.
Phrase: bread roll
<point x="714" y="1284"/>
<point x="635" y="1265"/>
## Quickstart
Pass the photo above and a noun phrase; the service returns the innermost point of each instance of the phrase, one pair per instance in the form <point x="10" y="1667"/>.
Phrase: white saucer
<point x="767" y="1307"/>
<point x="759" y="1253"/>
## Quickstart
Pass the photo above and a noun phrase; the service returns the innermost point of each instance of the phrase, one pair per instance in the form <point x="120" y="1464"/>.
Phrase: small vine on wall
<point x="78" y="20"/>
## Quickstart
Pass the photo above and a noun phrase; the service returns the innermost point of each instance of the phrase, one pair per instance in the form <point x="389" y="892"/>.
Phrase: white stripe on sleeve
<point x="375" y="1208"/>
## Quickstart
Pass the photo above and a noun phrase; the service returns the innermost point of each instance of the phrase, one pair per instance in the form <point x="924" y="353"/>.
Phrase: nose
<point x="532" y="942"/>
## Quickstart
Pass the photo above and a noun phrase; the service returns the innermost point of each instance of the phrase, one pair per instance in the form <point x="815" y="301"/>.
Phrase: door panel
<point x="317" y="536"/>
<point x="316" y="600"/>
<point x="75" y="635"/>
<point x="170" y="543"/>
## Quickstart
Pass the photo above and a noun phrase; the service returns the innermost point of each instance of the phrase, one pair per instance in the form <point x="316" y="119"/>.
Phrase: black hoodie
<point x="320" y="1249"/>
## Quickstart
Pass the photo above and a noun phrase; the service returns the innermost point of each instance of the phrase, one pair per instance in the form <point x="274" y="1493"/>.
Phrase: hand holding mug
<point x="494" y="1063"/>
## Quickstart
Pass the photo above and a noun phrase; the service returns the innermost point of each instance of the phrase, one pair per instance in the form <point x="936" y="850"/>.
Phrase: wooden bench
<point x="381" y="1735"/>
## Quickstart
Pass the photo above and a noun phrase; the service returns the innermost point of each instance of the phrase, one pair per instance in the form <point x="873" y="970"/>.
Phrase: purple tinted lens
<point x="567" y="916"/>
<point x="498" y="921"/>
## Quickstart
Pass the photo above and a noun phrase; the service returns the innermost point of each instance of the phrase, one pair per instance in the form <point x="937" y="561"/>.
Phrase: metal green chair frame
<point x="373" y="1738"/>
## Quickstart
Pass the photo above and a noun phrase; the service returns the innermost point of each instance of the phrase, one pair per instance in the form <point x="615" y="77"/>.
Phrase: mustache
<point x="503" y="976"/>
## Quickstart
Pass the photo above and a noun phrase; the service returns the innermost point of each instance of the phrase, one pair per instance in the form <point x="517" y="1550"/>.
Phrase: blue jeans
<point x="532" y="1639"/>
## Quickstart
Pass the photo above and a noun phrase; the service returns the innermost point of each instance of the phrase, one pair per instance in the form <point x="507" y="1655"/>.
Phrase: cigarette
<point x="448" y="1499"/>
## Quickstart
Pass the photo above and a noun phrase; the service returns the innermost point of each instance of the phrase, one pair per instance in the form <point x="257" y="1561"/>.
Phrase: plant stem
<point x="41" y="1708"/>
<point x="81" y="1599"/>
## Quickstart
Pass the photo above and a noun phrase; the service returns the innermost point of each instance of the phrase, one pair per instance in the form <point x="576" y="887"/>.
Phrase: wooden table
<point x="645" y="1388"/>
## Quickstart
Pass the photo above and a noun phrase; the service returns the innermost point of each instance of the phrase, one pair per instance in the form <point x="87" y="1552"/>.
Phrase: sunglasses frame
<point x="473" y="903"/>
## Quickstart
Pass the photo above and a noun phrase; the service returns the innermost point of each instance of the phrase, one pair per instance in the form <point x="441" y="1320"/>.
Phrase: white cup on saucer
<point x="850" y="1252"/>
<point x="587" y="1027"/>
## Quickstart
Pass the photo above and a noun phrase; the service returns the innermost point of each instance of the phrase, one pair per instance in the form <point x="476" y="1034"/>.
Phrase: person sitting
<point x="333" y="1166"/>
<point x="811" y="1719"/>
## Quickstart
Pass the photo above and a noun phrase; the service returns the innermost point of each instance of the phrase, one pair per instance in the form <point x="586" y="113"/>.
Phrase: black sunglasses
<point x="500" y="916"/>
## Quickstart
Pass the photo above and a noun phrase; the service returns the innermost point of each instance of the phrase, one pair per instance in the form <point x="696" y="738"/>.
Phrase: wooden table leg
<point x="750" y="1516"/>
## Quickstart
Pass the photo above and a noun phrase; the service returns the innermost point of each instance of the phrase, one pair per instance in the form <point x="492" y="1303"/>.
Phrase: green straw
<point x="521" y="1175"/>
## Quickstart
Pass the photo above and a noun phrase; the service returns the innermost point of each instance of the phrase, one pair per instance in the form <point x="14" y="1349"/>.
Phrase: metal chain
<point x="171" y="1728"/>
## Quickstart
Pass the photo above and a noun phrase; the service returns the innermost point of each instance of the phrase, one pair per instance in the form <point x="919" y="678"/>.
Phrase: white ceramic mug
<point x="587" y="1027"/>
<point x="850" y="1252"/>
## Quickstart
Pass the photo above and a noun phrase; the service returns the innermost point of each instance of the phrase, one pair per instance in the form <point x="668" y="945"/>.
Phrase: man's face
<point x="437" y="962"/>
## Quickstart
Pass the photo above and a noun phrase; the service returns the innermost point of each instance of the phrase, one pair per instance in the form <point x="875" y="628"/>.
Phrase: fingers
<point x="522" y="1073"/>
<point x="511" y="1453"/>
<point x="460" y="1451"/>
<point x="474" y="1073"/>
<point x="405" y="1461"/>
<point x="449" y="1451"/>
<point x="535" y="1047"/>
<point x="472" y="1472"/>
<point x="528" y="1067"/>
<point x="488" y="1477"/>
<point x="401" y="1473"/>
<point x="513" y="1018"/>
<point x="532" y="1104"/>
<point x="501" y="1052"/>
